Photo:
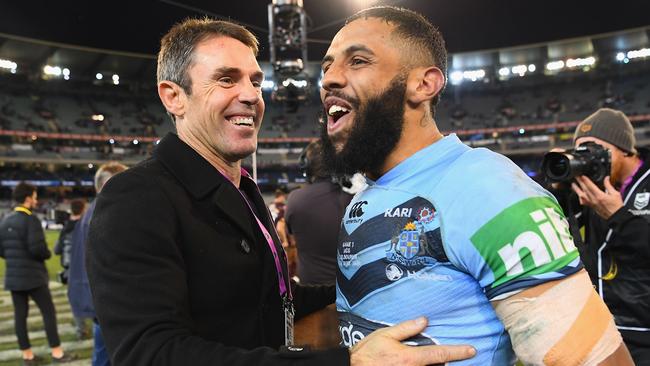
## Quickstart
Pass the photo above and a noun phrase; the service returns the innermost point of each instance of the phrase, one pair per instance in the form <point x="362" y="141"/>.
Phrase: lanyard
<point x="629" y="179"/>
<point x="269" y="240"/>
<point x="285" y="292"/>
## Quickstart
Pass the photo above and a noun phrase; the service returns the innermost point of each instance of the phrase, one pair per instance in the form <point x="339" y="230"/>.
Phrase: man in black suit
<point x="184" y="264"/>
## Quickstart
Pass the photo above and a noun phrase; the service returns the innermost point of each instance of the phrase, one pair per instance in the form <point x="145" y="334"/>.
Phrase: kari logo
<point x="398" y="212"/>
<point x="641" y="200"/>
<point x="357" y="209"/>
<point x="393" y="272"/>
<point x="528" y="238"/>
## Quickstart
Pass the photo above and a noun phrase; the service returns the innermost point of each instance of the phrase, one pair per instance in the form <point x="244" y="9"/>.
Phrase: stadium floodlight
<point x="519" y="70"/>
<point x="9" y="65"/>
<point x="135" y="142"/>
<point x="97" y="117"/>
<point x="474" y="75"/>
<point x="641" y="53"/>
<point x="65" y="71"/>
<point x="90" y="165"/>
<point x="111" y="141"/>
<point x="578" y="62"/>
<point x="116" y="79"/>
<point x="532" y="68"/>
<point x="52" y="70"/>
<point x="99" y="76"/>
<point x="620" y="56"/>
<point x="504" y="71"/>
<point x="287" y="35"/>
<point x="297" y="83"/>
<point x="456" y="77"/>
<point x="555" y="65"/>
<point x="267" y="84"/>
<point x="288" y="51"/>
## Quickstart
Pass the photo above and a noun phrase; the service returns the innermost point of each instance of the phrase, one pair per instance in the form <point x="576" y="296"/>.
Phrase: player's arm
<point x="562" y="322"/>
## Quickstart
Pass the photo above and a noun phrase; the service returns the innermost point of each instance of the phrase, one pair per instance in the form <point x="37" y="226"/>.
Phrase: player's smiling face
<point x="359" y="65"/>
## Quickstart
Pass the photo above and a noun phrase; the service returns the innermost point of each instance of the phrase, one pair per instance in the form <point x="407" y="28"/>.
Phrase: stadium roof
<point x="512" y="31"/>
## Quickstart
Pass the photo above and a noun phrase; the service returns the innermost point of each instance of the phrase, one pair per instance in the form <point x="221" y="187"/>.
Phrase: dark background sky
<point x="467" y="25"/>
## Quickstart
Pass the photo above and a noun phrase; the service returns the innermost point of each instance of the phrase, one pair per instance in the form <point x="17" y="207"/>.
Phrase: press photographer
<point x="609" y="176"/>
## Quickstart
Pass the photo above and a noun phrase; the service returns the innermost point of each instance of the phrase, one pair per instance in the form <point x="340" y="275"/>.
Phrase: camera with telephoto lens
<point x="588" y="159"/>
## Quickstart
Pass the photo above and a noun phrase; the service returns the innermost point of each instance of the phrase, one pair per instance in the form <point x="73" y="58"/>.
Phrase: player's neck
<point x="419" y="131"/>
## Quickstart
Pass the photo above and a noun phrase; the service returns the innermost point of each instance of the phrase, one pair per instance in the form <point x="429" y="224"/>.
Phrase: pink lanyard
<point x="284" y="291"/>
<point x="629" y="179"/>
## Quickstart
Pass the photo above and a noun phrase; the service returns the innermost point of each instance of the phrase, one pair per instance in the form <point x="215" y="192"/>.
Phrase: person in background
<point x="23" y="246"/>
<point x="616" y="222"/>
<point x="63" y="248"/>
<point x="313" y="217"/>
<point x="78" y="287"/>
<point x="279" y="200"/>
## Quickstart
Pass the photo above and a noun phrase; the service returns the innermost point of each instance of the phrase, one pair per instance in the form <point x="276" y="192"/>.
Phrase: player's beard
<point x="376" y="130"/>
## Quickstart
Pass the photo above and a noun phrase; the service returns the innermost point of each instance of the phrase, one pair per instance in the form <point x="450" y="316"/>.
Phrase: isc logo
<point x="554" y="243"/>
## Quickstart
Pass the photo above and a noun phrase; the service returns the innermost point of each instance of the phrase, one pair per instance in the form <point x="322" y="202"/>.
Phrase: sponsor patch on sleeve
<point x="527" y="239"/>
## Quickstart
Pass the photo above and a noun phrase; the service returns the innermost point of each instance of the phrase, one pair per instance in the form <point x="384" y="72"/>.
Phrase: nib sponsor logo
<point x="528" y="238"/>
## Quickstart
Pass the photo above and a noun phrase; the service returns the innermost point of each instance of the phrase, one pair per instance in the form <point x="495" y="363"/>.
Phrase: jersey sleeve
<point x="514" y="235"/>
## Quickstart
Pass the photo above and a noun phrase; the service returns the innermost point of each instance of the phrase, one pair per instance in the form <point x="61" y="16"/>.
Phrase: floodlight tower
<point x="288" y="48"/>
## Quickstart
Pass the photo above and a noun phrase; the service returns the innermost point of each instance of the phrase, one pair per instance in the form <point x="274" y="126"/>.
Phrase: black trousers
<point x="43" y="299"/>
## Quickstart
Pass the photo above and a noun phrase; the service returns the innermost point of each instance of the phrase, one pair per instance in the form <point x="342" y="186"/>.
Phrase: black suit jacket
<point x="181" y="274"/>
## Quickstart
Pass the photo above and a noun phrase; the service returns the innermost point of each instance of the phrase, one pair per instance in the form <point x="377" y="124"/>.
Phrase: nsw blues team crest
<point x="408" y="248"/>
<point x="408" y="243"/>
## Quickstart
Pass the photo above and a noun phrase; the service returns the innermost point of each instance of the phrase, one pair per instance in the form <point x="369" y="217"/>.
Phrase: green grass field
<point x="53" y="264"/>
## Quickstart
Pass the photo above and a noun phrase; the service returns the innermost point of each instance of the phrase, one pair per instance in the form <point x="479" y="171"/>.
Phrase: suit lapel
<point x="228" y="200"/>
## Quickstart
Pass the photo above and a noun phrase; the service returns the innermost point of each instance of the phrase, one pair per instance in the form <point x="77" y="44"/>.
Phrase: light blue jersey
<point x="441" y="235"/>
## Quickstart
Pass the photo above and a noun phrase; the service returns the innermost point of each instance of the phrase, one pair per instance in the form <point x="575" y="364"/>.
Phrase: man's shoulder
<point x="146" y="172"/>
<point x="483" y="160"/>
<point x="481" y="171"/>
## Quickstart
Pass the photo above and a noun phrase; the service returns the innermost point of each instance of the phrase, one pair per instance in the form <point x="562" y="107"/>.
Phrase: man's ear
<point x="423" y="84"/>
<point x="173" y="97"/>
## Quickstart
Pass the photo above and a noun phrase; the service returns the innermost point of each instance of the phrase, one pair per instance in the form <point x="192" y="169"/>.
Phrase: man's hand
<point x="604" y="203"/>
<point x="383" y="347"/>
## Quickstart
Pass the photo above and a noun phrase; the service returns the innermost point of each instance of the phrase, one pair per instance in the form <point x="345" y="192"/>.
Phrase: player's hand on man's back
<point x="383" y="347"/>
